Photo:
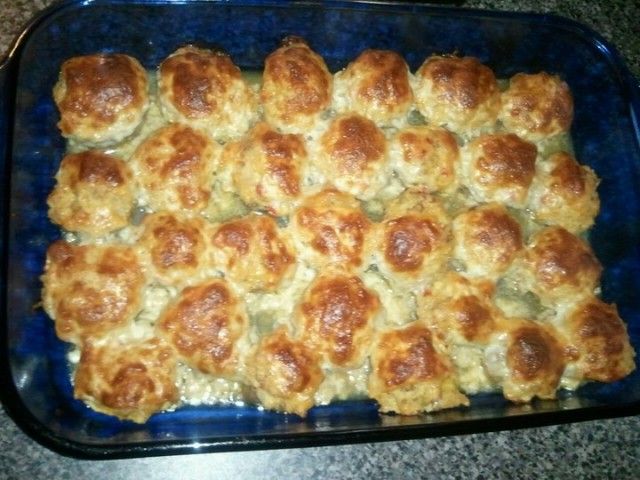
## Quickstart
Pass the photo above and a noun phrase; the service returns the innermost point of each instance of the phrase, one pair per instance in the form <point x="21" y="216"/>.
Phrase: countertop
<point x="597" y="449"/>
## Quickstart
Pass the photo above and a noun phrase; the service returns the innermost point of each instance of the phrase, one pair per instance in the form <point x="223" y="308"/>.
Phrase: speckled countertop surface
<point x="598" y="449"/>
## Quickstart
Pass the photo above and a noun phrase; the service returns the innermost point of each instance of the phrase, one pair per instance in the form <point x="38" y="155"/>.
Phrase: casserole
<point x="37" y="392"/>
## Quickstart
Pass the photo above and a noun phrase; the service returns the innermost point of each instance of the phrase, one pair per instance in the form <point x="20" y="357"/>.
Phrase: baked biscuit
<point x="409" y="375"/>
<point x="537" y="106"/>
<point x="426" y="156"/>
<point x="499" y="168"/>
<point x="285" y="373"/>
<point x="412" y="244"/>
<point x="535" y="360"/>
<point x="460" y="309"/>
<point x="267" y="168"/>
<point x="205" y="90"/>
<point x="93" y="194"/>
<point x="253" y="253"/>
<point x="564" y="193"/>
<point x="101" y="98"/>
<point x="296" y="87"/>
<point x="129" y="380"/>
<point x="487" y="239"/>
<point x="205" y="325"/>
<point x="175" y="247"/>
<point x="336" y="317"/>
<point x="175" y="168"/>
<point x="353" y="156"/>
<point x="558" y="267"/>
<point x="91" y="290"/>
<point x="459" y="93"/>
<point x="331" y="228"/>
<point x="461" y="312"/>
<point x="375" y="85"/>
<point x="600" y="338"/>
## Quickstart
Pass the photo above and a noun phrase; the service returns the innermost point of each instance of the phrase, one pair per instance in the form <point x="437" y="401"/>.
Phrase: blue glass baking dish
<point x="35" y="388"/>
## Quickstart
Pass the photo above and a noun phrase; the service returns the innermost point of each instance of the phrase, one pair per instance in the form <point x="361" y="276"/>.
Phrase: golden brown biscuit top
<point x="504" y="160"/>
<point x="382" y="78"/>
<point x="491" y="228"/>
<point x="538" y="104"/>
<point x="427" y="156"/>
<point x="300" y="74"/>
<point x="281" y="152"/>
<point x="461" y="81"/>
<point x="292" y="365"/>
<point x="195" y="79"/>
<point x="236" y="235"/>
<point x="561" y="258"/>
<point x="100" y="86"/>
<point x="473" y="318"/>
<point x="93" y="193"/>
<point x="456" y="304"/>
<point x="411" y="357"/>
<point x="499" y="229"/>
<point x="255" y="239"/>
<point x="337" y="225"/>
<point x="91" y="290"/>
<point x="177" y="158"/>
<point x="173" y="242"/>
<point x="602" y="339"/>
<point x="335" y="309"/>
<point x="597" y="319"/>
<point x="187" y="146"/>
<point x="203" y="325"/>
<point x="422" y="143"/>
<point x="267" y="168"/>
<point x="408" y="239"/>
<point x="534" y="353"/>
<point x="353" y="142"/>
<point x="131" y="381"/>
<point x="568" y="175"/>
<point x="95" y="167"/>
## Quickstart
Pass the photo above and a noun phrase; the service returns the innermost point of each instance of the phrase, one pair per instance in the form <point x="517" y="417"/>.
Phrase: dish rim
<point x="28" y="423"/>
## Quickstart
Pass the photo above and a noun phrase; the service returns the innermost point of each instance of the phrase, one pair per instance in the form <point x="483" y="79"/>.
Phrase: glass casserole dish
<point x="605" y="134"/>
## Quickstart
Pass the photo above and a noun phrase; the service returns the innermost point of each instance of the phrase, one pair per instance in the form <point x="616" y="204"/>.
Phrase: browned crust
<point x="336" y="309"/>
<point x="540" y="102"/>
<point x="410" y="357"/>
<point x="300" y="76"/>
<point x="561" y="258"/>
<point x="602" y="341"/>
<point x="257" y="234"/>
<point x="494" y="230"/>
<point x="382" y="79"/>
<point x="408" y="240"/>
<point x="281" y="150"/>
<point x="100" y="87"/>
<point x="336" y="225"/>
<point x="173" y="242"/>
<point x="353" y="142"/>
<point x="463" y="82"/>
<point x="92" y="290"/>
<point x="297" y="364"/>
<point x="203" y="325"/>
<point x="198" y="79"/>
<point x="505" y="160"/>
<point x="473" y="318"/>
<point x="131" y="381"/>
